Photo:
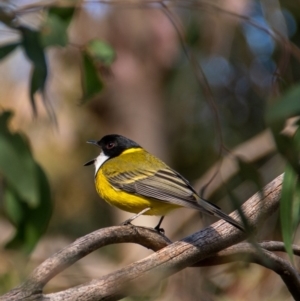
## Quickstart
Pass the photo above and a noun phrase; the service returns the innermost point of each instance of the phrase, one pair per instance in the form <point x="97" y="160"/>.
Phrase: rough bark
<point x="213" y="245"/>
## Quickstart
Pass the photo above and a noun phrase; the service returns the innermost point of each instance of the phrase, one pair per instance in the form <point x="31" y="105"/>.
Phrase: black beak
<point x="93" y="142"/>
<point x="89" y="163"/>
<point x="92" y="161"/>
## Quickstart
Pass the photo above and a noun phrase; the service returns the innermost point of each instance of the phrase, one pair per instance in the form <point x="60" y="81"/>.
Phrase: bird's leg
<point x="157" y="228"/>
<point x="128" y="221"/>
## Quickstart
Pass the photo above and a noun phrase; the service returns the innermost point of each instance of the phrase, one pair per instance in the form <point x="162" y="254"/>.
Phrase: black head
<point x="113" y="145"/>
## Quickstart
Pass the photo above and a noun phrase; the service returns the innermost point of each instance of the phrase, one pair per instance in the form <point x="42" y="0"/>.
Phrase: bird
<point x="130" y="178"/>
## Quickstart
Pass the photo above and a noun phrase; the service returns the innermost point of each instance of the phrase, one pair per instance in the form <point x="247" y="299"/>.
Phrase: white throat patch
<point x="99" y="161"/>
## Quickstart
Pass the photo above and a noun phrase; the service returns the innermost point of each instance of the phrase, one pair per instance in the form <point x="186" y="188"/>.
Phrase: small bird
<point x="130" y="178"/>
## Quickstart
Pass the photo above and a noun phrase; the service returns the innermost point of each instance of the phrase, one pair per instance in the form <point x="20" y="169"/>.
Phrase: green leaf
<point x="27" y="196"/>
<point x="289" y="147"/>
<point x="286" y="208"/>
<point x="286" y="106"/>
<point x="31" y="43"/>
<point x="16" y="163"/>
<point x="64" y="13"/>
<point x="101" y="52"/>
<point x="30" y="222"/>
<point x="13" y="205"/>
<point x="296" y="207"/>
<point x="91" y="82"/>
<point x="7" y="49"/>
<point x="54" y="31"/>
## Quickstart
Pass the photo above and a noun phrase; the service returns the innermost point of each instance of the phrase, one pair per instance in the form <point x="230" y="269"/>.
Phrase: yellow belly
<point x="129" y="202"/>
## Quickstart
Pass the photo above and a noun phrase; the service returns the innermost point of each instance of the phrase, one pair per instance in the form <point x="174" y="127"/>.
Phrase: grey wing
<point x="165" y="185"/>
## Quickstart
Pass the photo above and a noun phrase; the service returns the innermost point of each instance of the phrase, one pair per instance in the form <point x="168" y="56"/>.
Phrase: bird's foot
<point x="126" y="223"/>
<point x="159" y="230"/>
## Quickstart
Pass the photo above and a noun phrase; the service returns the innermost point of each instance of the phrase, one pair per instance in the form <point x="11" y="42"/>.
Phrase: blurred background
<point x="190" y="81"/>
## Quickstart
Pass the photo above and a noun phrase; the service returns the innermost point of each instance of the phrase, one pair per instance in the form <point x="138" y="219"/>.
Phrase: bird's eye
<point x="110" y="145"/>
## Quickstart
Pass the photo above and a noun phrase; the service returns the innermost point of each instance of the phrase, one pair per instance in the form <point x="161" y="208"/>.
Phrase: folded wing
<point x="165" y="185"/>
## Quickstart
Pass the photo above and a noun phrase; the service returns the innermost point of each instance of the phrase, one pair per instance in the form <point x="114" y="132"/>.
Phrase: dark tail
<point x="216" y="211"/>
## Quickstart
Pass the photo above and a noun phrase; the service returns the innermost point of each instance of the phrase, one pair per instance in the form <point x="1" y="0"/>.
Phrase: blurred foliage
<point x="289" y="189"/>
<point x="5" y="50"/>
<point x="35" y="52"/>
<point x="26" y="191"/>
<point x="285" y="107"/>
<point x="54" y="29"/>
<point x="91" y="83"/>
<point x="27" y="199"/>
<point x="53" y="32"/>
<point x="193" y="85"/>
<point x="101" y="51"/>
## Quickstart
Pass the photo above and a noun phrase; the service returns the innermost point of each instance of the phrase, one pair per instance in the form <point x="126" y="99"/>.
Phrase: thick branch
<point x="83" y="246"/>
<point x="146" y="272"/>
<point x="178" y="255"/>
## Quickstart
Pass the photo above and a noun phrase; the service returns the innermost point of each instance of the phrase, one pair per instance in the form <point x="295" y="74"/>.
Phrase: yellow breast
<point x="129" y="202"/>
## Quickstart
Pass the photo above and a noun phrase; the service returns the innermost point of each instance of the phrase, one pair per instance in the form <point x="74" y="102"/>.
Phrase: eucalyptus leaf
<point x="16" y="163"/>
<point x="101" y="52"/>
<point x="30" y="222"/>
<point x="7" y="49"/>
<point x="286" y="208"/>
<point x="27" y="195"/>
<point x="13" y="205"/>
<point x="63" y="13"/>
<point x="289" y="147"/>
<point x="285" y="106"/>
<point x="91" y="82"/>
<point x="31" y="42"/>
<point x="54" y="30"/>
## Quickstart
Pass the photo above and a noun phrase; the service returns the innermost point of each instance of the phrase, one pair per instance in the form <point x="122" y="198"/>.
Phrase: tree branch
<point x="143" y="274"/>
<point x="241" y="252"/>
<point x="250" y="253"/>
